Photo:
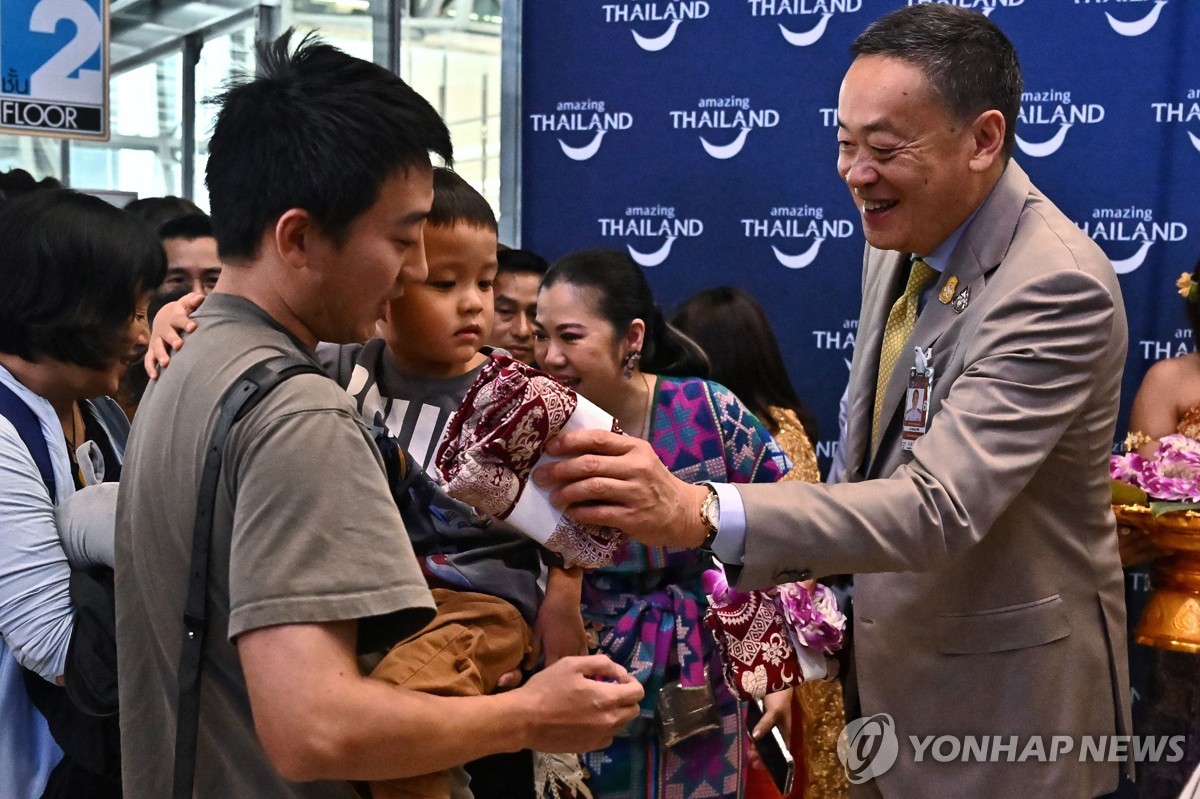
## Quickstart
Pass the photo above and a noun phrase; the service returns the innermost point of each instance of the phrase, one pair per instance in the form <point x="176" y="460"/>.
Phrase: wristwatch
<point x="710" y="515"/>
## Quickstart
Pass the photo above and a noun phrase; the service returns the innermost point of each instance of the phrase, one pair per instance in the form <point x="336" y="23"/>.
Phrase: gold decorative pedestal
<point x="1172" y="616"/>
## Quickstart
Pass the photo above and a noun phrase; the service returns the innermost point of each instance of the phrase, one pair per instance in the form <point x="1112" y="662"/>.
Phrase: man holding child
<point x="320" y="182"/>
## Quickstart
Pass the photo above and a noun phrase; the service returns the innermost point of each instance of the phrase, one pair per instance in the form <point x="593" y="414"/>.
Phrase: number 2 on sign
<point x="53" y="79"/>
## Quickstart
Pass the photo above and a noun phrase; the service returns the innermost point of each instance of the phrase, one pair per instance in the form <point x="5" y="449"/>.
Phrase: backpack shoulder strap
<point x="245" y="393"/>
<point x="29" y="429"/>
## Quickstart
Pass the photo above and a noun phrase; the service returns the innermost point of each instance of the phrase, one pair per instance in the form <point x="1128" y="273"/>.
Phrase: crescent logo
<point x="654" y="258"/>
<point x="1047" y="147"/>
<point x="1195" y="140"/>
<point x="728" y="150"/>
<point x="658" y="42"/>
<point x="798" y="261"/>
<point x="1134" y="261"/>
<point x="1138" y="27"/>
<point x="805" y="38"/>
<point x="585" y="152"/>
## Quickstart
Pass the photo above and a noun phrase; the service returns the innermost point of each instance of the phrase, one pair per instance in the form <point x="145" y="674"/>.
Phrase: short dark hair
<point x="154" y="211"/>
<point x="623" y="294"/>
<point x="967" y="59"/>
<point x="316" y="129"/>
<point x="72" y="270"/>
<point x="189" y="227"/>
<point x="456" y="202"/>
<point x="521" y="262"/>
<point x="733" y="329"/>
<point x="16" y="182"/>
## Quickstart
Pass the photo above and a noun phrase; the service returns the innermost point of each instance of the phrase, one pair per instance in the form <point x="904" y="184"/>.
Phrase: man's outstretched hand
<point x="618" y="481"/>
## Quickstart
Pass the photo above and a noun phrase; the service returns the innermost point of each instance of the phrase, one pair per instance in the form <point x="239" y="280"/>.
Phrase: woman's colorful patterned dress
<point x="648" y="606"/>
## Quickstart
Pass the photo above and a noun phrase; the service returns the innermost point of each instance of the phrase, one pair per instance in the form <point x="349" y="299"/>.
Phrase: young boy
<point x="486" y="577"/>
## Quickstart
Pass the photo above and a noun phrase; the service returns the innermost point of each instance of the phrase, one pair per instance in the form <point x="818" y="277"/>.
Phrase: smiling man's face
<point x="906" y="159"/>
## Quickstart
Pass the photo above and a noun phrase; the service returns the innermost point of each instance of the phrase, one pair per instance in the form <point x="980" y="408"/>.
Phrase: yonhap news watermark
<point x="868" y="747"/>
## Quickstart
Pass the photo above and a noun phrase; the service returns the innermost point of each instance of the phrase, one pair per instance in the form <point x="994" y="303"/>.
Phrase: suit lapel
<point x="882" y="285"/>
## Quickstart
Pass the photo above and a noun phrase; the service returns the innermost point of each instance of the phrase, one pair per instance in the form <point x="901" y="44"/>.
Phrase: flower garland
<point x="1172" y="475"/>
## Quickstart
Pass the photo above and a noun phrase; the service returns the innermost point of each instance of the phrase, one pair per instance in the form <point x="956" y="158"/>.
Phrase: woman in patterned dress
<point x="599" y="332"/>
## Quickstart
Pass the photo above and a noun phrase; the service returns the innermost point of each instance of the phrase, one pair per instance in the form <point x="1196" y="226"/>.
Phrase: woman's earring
<point x="631" y="360"/>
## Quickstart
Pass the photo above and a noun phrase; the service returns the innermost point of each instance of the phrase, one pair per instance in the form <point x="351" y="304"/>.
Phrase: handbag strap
<point x="246" y="392"/>
<point x="29" y="429"/>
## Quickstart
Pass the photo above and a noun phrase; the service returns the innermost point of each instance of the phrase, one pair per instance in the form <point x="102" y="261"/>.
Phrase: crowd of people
<point x="279" y="598"/>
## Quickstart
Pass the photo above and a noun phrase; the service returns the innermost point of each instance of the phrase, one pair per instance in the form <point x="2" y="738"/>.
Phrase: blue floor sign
<point x="53" y="67"/>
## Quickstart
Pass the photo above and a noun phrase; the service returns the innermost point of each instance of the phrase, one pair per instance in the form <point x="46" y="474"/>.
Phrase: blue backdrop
<point x="701" y="136"/>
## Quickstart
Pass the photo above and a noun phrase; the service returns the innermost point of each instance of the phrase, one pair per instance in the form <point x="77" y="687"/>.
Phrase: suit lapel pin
<point x="962" y="300"/>
<point x="947" y="292"/>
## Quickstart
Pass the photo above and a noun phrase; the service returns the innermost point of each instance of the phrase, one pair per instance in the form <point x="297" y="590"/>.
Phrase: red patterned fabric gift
<point x="772" y="640"/>
<point x="496" y="438"/>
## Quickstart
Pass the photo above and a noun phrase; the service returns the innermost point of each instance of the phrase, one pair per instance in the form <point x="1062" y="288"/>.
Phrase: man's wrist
<point x="710" y="517"/>
<point x="696" y="532"/>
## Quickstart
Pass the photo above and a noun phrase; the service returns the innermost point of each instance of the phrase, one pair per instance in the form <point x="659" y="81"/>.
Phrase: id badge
<point x="916" y="401"/>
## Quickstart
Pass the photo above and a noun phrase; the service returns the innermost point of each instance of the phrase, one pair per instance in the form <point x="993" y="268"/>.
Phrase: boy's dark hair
<point x="189" y="227"/>
<point x="456" y="202"/>
<point x="72" y="269"/>
<point x="154" y="211"/>
<point x="317" y="129"/>
<point x="965" y="56"/>
<point x="521" y="261"/>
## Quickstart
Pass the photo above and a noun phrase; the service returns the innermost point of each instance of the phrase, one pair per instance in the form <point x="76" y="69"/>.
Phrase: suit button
<point x="805" y="575"/>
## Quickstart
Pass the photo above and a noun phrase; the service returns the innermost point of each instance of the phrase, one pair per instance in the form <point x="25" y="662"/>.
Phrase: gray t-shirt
<point x="305" y="530"/>
<point x="414" y="408"/>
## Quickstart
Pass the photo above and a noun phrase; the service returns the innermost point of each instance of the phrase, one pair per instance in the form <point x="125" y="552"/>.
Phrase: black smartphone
<point x="772" y="750"/>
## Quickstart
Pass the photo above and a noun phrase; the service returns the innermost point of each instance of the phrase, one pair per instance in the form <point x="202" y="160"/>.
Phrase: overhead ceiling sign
<point x="54" y="68"/>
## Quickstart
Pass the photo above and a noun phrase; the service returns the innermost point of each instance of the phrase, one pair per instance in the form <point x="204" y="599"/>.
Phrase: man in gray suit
<point x="988" y="590"/>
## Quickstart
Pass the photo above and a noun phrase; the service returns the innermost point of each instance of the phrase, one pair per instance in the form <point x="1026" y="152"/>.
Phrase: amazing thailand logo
<point x="658" y="223"/>
<point x="793" y="227"/>
<point x="645" y="17"/>
<point x="1052" y="107"/>
<point x="802" y="23"/>
<point x="716" y="118"/>
<point x="583" y="123"/>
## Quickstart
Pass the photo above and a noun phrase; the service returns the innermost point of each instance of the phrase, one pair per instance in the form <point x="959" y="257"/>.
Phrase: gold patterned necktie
<point x="900" y="323"/>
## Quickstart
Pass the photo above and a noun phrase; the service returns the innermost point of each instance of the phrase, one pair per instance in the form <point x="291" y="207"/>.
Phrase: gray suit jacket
<point x="989" y="593"/>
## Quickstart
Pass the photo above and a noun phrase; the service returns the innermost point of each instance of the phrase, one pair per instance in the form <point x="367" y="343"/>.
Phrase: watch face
<point x="712" y="512"/>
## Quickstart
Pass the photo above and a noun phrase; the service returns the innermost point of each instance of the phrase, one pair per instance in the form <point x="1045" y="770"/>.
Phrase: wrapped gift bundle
<point x="499" y="435"/>
<point x="775" y="639"/>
